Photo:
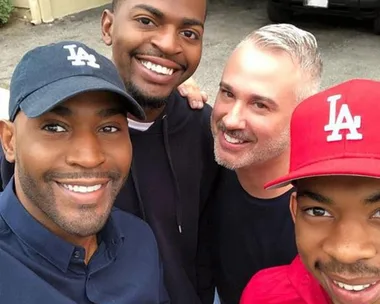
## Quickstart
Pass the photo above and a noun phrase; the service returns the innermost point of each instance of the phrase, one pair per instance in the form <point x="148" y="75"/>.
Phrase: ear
<point x="107" y="26"/>
<point x="7" y="136"/>
<point x="293" y="206"/>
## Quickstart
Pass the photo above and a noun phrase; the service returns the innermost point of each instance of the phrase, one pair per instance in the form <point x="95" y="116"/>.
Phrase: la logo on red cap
<point x="344" y="121"/>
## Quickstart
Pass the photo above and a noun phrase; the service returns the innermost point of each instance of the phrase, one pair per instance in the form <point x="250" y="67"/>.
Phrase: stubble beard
<point x="143" y="99"/>
<point x="87" y="224"/>
<point x="269" y="150"/>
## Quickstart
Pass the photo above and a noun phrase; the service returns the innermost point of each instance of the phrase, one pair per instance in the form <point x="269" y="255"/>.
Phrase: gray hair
<point x="300" y="45"/>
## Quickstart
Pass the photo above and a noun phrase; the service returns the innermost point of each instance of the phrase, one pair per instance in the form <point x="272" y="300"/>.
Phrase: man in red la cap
<point x="335" y="167"/>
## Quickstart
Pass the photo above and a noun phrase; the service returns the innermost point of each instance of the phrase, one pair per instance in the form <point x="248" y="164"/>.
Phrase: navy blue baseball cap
<point x="49" y="75"/>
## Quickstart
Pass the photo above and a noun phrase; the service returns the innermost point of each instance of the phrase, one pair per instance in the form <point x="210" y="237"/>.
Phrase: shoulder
<point x="179" y="106"/>
<point x="229" y="177"/>
<point x="131" y="225"/>
<point x="270" y="286"/>
<point x="229" y="188"/>
<point x="139" y="241"/>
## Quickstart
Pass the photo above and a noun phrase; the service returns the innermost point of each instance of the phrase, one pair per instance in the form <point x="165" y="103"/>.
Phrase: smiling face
<point x="337" y="222"/>
<point x="70" y="162"/>
<point x="251" y="115"/>
<point x="156" y="45"/>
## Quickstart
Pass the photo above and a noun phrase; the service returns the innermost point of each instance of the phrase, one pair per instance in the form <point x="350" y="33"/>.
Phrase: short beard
<point x="355" y="269"/>
<point x="44" y="199"/>
<point x="145" y="101"/>
<point x="271" y="149"/>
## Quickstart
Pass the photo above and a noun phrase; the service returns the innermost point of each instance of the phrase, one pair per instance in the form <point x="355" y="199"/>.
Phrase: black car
<point x="282" y="10"/>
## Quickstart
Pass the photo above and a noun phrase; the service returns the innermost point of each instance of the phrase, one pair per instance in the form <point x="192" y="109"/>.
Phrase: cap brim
<point x="365" y="167"/>
<point x="57" y="92"/>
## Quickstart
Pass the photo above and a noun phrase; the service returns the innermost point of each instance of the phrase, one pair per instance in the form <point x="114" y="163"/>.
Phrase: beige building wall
<point x="21" y="3"/>
<point x="62" y="8"/>
<point x="48" y="10"/>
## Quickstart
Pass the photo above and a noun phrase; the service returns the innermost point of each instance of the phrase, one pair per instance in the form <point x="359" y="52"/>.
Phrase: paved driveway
<point x="349" y="47"/>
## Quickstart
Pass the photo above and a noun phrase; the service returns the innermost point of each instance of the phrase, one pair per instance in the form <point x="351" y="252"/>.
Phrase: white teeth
<point x="232" y="140"/>
<point x="82" y="189"/>
<point x="157" y="68"/>
<point x="353" y="287"/>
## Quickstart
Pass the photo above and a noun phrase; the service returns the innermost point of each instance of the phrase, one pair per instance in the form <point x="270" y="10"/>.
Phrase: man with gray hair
<point x="266" y="76"/>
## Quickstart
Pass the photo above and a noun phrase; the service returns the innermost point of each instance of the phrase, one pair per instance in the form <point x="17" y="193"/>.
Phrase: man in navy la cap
<point x="49" y="75"/>
<point x="61" y="241"/>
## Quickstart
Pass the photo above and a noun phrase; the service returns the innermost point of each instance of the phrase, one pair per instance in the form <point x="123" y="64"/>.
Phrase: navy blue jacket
<point x="172" y="176"/>
<point x="39" y="267"/>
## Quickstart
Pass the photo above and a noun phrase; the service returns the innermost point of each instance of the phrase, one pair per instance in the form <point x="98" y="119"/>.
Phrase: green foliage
<point x="5" y="10"/>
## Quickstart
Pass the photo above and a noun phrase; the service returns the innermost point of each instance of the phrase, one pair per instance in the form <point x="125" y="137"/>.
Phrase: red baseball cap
<point x="336" y="132"/>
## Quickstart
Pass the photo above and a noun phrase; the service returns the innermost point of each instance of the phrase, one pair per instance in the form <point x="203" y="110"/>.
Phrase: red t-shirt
<point x="290" y="284"/>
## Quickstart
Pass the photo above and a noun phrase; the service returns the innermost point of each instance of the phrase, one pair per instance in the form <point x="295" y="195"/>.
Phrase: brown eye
<point x="316" y="211"/>
<point x="54" y="128"/>
<point x="260" y="105"/>
<point x="145" y="21"/>
<point x="227" y="93"/>
<point x="190" y="34"/>
<point x="109" y="129"/>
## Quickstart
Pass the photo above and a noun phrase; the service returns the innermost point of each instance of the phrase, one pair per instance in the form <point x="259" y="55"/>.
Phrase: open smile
<point x="354" y="291"/>
<point x="358" y="287"/>
<point x="231" y="143"/>
<point x="157" y="70"/>
<point x="233" y="140"/>
<point x="82" y="189"/>
<point x="83" y="192"/>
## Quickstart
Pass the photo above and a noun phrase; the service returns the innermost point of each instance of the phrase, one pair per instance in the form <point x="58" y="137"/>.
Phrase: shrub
<point x="5" y="10"/>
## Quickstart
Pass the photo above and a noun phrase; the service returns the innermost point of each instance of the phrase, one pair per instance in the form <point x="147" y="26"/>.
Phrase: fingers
<point x="196" y="104"/>
<point x="195" y="97"/>
<point x="182" y="90"/>
<point x="204" y="96"/>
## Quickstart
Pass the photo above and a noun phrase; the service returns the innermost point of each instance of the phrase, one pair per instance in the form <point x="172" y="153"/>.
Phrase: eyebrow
<point x="225" y="85"/>
<point x="373" y="199"/>
<point x="61" y="111"/>
<point x="314" y="196"/>
<point x="254" y="97"/>
<point x="151" y="9"/>
<point x="104" y="113"/>
<point x="192" y="22"/>
<point x="158" y="14"/>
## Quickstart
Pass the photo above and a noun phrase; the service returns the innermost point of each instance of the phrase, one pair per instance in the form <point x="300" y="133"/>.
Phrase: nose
<point x="85" y="150"/>
<point x="350" y="242"/>
<point x="167" y="40"/>
<point x="234" y="119"/>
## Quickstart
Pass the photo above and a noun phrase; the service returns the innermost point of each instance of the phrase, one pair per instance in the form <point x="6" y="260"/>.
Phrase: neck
<point x="253" y="178"/>
<point x="151" y="115"/>
<point x="90" y="244"/>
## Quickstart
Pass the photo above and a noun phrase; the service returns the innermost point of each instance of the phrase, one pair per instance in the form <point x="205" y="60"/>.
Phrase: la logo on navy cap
<point x="49" y="75"/>
<point x="79" y="56"/>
